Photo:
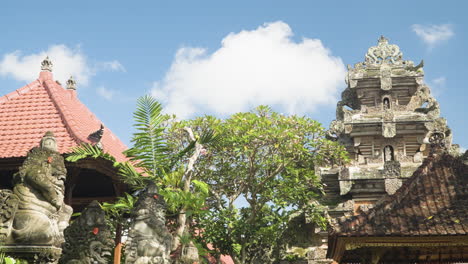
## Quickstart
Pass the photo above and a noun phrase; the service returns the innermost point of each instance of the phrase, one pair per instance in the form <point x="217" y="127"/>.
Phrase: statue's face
<point x="60" y="177"/>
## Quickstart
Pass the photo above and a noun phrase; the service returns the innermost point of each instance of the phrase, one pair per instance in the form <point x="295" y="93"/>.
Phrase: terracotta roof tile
<point x="44" y="105"/>
<point x="433" y="202"/>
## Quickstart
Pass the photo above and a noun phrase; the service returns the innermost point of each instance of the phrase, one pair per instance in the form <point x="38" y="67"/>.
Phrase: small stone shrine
<point x="88" y="239"/>
<point x="34" y="215"/>
<point x="149" y="240"/>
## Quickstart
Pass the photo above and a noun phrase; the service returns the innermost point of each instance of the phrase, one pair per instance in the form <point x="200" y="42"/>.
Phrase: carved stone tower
<point x="384" y="119"/>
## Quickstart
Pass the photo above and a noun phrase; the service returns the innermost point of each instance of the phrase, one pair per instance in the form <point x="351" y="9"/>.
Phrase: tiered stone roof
<point x="44" y="105"/>
<point x="433" y="202"/>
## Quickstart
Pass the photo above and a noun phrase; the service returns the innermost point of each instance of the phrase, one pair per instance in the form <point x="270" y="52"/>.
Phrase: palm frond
<point x="129" y="175"/>
<point x="149" y="148"/>
<point x="89" y="151"/>
<point x="209" y="137"/>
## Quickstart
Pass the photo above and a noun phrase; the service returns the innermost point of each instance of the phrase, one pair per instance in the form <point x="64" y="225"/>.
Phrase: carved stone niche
<point x="88" y="239"/>
<point x="34" y="215"/>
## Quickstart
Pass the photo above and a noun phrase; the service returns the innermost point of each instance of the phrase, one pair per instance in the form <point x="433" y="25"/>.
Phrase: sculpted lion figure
<point x="36" y="213"/>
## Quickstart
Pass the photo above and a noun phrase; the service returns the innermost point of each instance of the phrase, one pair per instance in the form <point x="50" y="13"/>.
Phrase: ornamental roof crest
<point x="46" y="64"/>
<point x="384" y="53"/>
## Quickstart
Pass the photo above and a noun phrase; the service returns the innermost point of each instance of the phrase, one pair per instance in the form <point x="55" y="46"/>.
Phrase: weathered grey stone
<point x="189" y="254"/>
<point x="385" y="120"/>
<point x="88" y="239"/>
<point x="392" y="185"/>
<point x="389" y="130"/>
<point x="149" y="240"/>
<point x="34" y="214"/>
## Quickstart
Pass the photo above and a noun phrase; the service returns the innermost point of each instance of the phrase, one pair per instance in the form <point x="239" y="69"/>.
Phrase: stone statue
<point x="388" y="153"/>
<point x="35" y="213"/>
<point x="149" y="240"/>
<point x="88" y="239"/>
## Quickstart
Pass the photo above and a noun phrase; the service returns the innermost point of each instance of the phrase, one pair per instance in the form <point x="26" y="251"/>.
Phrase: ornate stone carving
<point x="388" y="130"/>
<point x="149" y="239"/>
<point x="392" y="169"/>
<point x="392" y="185"/>
<point x="388" y="115"/>
<point x="437" y="141"/>
<point x="88" y="239"/>
<point x="71" y="83"/>
<point x="46" y="64"/>
<point x="345" y="187"/>
<point x="336" y="129"/>
<point x="34" y="214"/>
<point x="383" y="53"/>
<point x="385" y="77"/>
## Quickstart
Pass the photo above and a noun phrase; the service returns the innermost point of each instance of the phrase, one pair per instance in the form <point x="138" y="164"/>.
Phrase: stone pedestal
<point x="33" y="254"/>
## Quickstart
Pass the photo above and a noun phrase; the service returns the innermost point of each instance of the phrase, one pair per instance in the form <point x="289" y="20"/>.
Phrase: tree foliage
<point x="268" y="160"/>
<point x="238" y="180"/>
<point x="152" y="159"/>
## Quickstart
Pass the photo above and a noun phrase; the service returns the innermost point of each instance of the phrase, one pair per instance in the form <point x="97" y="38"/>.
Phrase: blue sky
<point x="185" y="52"/>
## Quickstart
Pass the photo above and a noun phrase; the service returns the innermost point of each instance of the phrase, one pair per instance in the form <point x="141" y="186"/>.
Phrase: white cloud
<point x="262" y="66"/>
<point x="440" y="81"/>
<point x="111" y="66"/>
<point x="106" y="93"/>
<point x="66" y="62"/>
<point x="438" y="85"/>
<point x="433" y="34"/>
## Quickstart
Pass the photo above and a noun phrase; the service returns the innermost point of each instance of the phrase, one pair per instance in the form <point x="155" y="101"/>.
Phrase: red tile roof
<point x="44" y="105"/>
<point x="433" y="202"/>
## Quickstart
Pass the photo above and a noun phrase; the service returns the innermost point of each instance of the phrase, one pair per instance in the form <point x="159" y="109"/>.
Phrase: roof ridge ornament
<point x="71" y="84"/>
<point x="46" y="64"/>
<point x="384" y="53"/>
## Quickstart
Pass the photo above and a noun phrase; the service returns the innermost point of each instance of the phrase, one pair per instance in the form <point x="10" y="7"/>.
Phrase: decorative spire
<point x="46" y="64"/>
<point x="71" y="84"/>
<point x="384" y="53"/>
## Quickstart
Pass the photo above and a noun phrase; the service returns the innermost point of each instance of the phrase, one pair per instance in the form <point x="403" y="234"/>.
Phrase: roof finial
<point x="46" y="64"/>
<point x="383" y="39"/>
<point x="71" y="84"/>
<point x="384" y="53"/>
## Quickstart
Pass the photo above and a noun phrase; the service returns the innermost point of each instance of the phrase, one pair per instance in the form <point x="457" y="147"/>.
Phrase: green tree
<point x="153" y="158"/>
<point x="268" y="160"/>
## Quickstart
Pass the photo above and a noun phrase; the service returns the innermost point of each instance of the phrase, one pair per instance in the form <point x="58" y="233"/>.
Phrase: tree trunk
<point x="182" y="217"/>
<point x="118" y="244"/>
